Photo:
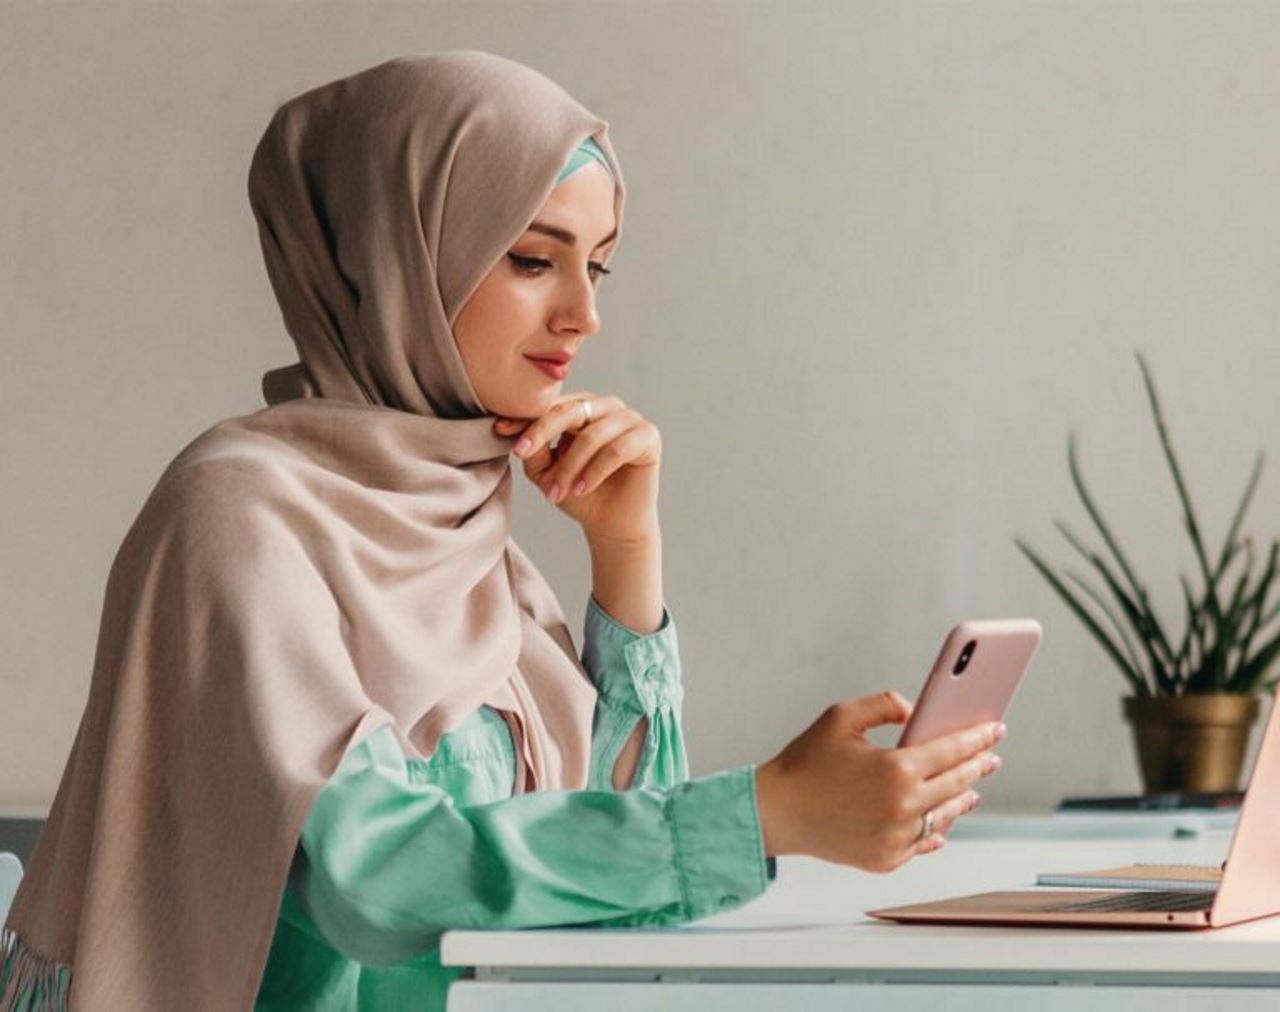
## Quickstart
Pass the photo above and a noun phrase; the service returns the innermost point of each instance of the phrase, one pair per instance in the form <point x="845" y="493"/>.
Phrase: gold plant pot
<point x="1191" y="743"/>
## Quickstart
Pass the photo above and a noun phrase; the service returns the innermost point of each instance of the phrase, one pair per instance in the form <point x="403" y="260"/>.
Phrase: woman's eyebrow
<point x="564" y="235"/>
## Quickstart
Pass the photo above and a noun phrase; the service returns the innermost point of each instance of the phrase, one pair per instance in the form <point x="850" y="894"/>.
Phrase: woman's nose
<point x="578" y="311"/>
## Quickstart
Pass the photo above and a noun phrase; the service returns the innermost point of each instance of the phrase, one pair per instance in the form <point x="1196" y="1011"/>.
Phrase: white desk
<point x="808" y="944"/>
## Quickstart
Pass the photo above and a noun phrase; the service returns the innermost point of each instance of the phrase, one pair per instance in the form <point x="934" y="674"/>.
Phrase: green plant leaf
<point x="1140" y="600"/>
<point x="1237" y="600"/>
<point x="1077" y="479"/>
<point x="1189" y="515"/>
<point x="1107" y="610"/>
<point x="1142" y="621"/>
<point x="1253" y="609"/>
<point x="1139" y="613"/>
<point x="1255" y="670"/>
<point x="1135" y="680"/>
<point x="1228" y="543"/>
<point x="1226" y="636"/>
<point x="1190" y="636"/>
<point x="1223" y="621"/>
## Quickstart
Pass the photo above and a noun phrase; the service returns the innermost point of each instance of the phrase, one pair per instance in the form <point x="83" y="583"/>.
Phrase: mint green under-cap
<point x="581" y="155"/>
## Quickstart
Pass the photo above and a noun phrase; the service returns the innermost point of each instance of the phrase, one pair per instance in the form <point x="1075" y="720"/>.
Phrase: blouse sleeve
<point x="387" y="864"/>
<point x="637" y="677"/>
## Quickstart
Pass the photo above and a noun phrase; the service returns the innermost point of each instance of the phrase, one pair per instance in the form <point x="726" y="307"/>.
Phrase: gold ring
<point x="926" y="826"/>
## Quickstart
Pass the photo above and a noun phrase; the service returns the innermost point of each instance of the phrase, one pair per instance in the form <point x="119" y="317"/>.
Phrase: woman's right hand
<point x="834" y="795"/>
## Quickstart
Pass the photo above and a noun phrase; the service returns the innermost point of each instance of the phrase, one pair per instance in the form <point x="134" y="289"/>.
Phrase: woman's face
<point x="540" y="298"/>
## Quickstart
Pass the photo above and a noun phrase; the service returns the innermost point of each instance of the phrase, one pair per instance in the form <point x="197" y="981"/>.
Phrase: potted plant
<point x="1194" y="696"/>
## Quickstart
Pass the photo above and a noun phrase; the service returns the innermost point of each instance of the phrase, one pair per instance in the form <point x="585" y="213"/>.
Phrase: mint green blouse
<point x="396" y="851"/>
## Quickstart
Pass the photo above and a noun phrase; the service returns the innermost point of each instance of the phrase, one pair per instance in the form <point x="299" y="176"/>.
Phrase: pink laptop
<point x="1250" y="885"/>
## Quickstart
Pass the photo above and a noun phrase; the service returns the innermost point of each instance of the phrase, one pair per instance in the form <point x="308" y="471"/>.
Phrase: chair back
<point x="10" y="876"/>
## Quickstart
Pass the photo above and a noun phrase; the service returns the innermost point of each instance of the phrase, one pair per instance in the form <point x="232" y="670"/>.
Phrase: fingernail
<point x="523" y="445"/>
<point x="1000" y="731"/>
<point x="579" y="486"/>
<point x="975" y="801"/>
<point x="994" y="763"/>
<point x="942" y="842"/>
<point x="554" y="494"/>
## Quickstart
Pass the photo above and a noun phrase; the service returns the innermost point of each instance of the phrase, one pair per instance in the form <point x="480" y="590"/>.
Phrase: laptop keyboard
<point x="1137" y="901"/>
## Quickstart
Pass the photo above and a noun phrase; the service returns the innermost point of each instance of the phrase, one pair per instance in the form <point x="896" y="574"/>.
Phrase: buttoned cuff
<point x="640" y="671"/>
<point x="719" y="847"/>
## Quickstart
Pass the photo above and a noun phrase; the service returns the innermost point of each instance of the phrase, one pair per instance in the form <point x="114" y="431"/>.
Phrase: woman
<point x="335" y="710"/>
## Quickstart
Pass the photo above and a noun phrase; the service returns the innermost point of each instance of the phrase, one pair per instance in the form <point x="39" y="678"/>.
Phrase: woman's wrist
<point x="643" y="536"/>
<point x="626" y="580"/>
<point x="775" y="821"/>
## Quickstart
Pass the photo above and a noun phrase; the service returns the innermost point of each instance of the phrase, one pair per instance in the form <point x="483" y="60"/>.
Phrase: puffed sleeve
<point x="387" y="864"/>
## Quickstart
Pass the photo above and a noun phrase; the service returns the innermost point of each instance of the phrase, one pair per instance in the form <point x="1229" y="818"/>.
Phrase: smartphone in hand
<point x="974" y="678"/>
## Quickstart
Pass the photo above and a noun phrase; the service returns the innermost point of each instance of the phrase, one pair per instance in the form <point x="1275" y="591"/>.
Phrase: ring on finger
<point x="926" y="826"/>
<point x="586" y="411"/>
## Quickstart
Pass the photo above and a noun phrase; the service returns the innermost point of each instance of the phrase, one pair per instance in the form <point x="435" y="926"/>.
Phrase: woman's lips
<point x="555" y="370"/>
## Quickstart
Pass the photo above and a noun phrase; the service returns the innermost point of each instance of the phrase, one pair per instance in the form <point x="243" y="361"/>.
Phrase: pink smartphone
<point x="974" y="678"/>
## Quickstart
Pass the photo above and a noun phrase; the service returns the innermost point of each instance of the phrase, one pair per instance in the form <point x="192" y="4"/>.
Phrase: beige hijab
<point x="308" y="573"/>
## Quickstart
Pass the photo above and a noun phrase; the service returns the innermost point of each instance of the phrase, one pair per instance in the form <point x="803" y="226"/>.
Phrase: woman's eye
<point x="529" y="265"/>
<point x="534" y="266"/>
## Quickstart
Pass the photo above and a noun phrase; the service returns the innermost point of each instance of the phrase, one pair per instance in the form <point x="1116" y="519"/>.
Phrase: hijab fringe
<point x="28" y="980"/>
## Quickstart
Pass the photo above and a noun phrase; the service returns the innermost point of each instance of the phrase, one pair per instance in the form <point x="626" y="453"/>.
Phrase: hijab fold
<point x="336" y="562"/>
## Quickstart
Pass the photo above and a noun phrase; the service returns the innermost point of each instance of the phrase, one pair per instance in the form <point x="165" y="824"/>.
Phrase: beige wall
<point x="879" y="258"/>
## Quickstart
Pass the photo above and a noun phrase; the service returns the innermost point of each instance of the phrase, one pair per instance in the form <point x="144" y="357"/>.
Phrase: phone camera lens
<point x="966" y="655"/>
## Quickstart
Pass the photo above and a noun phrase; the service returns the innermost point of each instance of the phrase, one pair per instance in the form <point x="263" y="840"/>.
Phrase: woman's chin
<point x="532" y="407"/>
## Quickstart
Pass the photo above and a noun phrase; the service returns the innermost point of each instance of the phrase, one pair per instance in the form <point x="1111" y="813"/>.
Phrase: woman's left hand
<point x="603" y="474"/>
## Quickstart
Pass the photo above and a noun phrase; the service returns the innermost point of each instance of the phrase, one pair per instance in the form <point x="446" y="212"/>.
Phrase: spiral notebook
<point x="1193" y="878"/>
